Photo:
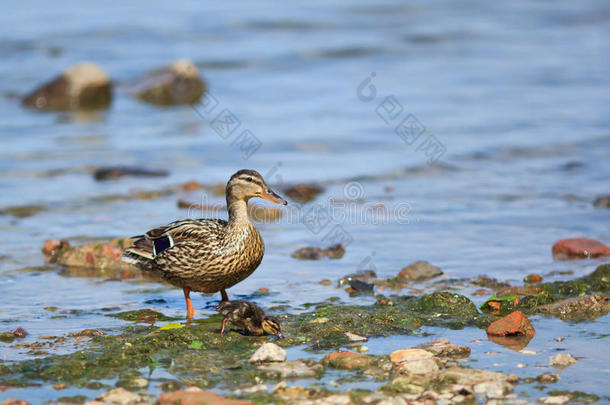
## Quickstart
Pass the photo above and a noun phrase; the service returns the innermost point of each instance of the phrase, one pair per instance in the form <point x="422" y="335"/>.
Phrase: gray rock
<point x="562" y="360"/>
<point x="267" y="353"/>
<point x="290" y="369"/>
<point x="178" y="83"/>
<point x="81" y="86"/>
<point x="420" y="271"/>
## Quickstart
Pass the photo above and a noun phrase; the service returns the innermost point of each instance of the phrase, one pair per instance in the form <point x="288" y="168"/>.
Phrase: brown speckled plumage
<point x="248" y="316"/>
<point x="207" y="255"/>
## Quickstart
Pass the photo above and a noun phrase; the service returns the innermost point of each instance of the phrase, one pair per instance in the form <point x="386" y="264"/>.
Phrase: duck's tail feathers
<point x="140" y="253"/>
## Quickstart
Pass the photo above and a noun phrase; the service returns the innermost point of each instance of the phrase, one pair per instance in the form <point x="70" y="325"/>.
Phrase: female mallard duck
<point x="249" y="316"/>
<point x="207" y="255"/>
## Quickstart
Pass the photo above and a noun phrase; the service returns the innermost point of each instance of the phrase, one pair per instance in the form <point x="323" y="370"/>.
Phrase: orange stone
<point x="346" y="360"/>
<point x="513" y="324"/>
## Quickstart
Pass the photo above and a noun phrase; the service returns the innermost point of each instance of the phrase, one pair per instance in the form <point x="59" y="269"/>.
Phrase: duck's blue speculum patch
<point x="159" y="245"/>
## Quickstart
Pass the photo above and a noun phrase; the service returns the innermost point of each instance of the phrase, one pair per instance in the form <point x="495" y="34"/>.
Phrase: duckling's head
<point x="272" y="326"/>
<point x="246" y="184"/>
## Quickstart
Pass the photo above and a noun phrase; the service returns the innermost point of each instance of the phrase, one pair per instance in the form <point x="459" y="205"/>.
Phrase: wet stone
<point x="514" y="324"/>
<point x="308" y="253"/>
<point x="522" y="291"/>
<point x="533" y="279"/>
<point x="493" y="389"/>
<point x="444" y="348"/>
<point x="290" y="369"/>
<point x="575" y="248"/>
<point x="114" y="173"/>
<point x="346" y="360"/>
<point x="555" y="400"/>
<point x="81" y="86"/>
<point x="192" y="397"/>
<point x="420" y="271"/>
<point x="336" y="251"/>
<point x="269" y="352"/>
<point x="358" y="286"/>
<point x="303" y="193"/>
<point x="353" y="338"/>
<point x="562" y="360"/>
<point x="119" y="396"/>
<point x="579" y="308"/>
<point x="178" y="83"/>
<point x="363" y="275"/>
<point x="22" y="211"/>
<point x="548" y="378"/>
<point x="603" y="201"/>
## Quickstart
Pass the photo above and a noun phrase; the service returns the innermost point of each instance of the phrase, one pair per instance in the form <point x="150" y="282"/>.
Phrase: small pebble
<point x="352" y="337"/>
<point x="562" y="360"/>
<point x="559" y="339"/>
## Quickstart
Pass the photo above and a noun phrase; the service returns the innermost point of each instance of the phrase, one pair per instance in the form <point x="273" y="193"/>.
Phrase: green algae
<point x="197" y="354"/>
<point x="142" y="315"/>
<point x="577" y="396"/>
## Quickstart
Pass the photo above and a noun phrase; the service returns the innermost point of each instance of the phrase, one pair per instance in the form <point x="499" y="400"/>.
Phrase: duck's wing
<point x="155" y="241"/>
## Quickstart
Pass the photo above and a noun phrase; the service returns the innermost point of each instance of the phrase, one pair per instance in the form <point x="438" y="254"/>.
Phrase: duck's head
<point x="246" y="184"/>
<point x="272" y="326"/>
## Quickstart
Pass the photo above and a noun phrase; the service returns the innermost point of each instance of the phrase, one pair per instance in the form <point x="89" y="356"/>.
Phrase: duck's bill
<point x="271" y="196"/>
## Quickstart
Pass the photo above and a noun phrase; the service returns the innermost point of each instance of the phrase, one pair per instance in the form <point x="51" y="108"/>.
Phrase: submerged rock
<point x="308" y="253"/>
<point x="420" y="271"/>
<point x="113" y="173"/>
<point x="290" y="369"/>
<point x="303" y="193"/>
<point x="22" y="211"/>
<point x="314" y="253"/>
<point x="346" y="360"/>
<point x="562" y="360"/>
<point x="603" y="201"/>
<point x="548" y="378"/>
<point x="362" y="275"/>
<point x="513" y="324"/>
<point x="575" y="248"/>
<point x="269" y="352"/>
<point x="178" y="83"/>
<point x="81" y="86"/>
<point x="555" y="400"/>
<point x="578" y="308"/>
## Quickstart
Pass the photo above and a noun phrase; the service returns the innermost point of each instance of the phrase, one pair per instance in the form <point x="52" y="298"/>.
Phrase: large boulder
<point x="82" y="86"/>
<point x="178" y="83"/>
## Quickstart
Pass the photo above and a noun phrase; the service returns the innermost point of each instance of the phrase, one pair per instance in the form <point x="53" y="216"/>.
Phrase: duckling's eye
<point x="249" y="179"/>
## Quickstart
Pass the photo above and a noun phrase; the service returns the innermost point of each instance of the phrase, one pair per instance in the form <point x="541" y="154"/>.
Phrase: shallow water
<point x="517" y="94"/>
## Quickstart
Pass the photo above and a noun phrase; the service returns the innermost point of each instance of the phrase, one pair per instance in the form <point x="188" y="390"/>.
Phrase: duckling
<point x="207" y="255"/>
<point x="249" y="316"/>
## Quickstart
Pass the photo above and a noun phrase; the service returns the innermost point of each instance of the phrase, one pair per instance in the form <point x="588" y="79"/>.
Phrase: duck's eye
<point x="249" y="179"/>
